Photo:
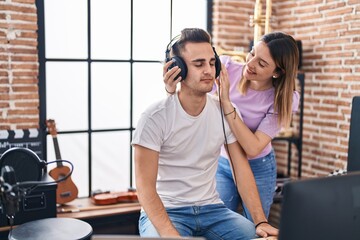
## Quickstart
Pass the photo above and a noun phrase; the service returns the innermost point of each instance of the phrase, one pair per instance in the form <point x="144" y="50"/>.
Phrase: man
<point x="177" y="143"/>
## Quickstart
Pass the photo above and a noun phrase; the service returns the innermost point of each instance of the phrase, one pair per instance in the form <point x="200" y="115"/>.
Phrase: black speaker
<point x="26" y="164"/>
<point x="179" y="61"/>
<point x="353" y="162"/>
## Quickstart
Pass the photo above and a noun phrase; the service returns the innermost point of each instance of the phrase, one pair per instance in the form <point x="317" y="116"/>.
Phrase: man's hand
<point x="169" y="76"/>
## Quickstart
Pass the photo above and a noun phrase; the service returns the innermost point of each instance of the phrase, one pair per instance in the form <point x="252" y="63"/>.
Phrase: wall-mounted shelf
<point x="296" y="139"/>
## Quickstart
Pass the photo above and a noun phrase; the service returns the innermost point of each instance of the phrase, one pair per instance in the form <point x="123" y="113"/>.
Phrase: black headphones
<point x="178" y="61"/>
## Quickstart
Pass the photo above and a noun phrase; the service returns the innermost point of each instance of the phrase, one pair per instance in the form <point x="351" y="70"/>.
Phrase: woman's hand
<point x="223" y="84"/>
<point x="169" y="77"/>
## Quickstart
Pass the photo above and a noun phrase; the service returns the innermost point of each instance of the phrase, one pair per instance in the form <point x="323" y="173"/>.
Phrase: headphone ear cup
<point x="217" y="66"/>
<point x="178" y="61"/>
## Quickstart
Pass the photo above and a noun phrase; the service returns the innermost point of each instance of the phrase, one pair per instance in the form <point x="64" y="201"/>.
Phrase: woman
<point x="263" y="90"/>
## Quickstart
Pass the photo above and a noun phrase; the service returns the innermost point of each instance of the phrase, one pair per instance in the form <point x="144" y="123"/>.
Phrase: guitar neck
<point x="57" y="151"/>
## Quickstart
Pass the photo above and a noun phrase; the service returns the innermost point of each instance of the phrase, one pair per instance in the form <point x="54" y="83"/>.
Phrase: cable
<point x="39" y="183"/>
<point x="10" y="231"/>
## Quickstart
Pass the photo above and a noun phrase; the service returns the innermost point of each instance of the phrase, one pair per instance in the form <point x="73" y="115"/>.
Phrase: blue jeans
<point x="264" y="170"/>
<point x="213" y="221"/>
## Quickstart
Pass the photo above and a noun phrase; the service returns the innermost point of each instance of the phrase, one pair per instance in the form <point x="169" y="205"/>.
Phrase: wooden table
<point x="83" y="208"/>
<point x="120" y="218"/>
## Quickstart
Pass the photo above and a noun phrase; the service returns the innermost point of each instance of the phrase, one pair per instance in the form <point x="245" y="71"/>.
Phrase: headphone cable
<point x="36" y="184"/>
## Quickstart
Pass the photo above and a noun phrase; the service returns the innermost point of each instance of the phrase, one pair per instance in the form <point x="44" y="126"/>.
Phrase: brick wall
<point x="330" y="35"/>
<point x="19" y="97"/>
<point x="231" y="30"/>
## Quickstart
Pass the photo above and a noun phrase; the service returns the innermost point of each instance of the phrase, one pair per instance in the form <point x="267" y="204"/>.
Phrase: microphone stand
<point x="9" y="196"/>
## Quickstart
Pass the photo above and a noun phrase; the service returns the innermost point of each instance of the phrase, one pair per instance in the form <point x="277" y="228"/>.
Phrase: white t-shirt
<point x="188" y="148"/>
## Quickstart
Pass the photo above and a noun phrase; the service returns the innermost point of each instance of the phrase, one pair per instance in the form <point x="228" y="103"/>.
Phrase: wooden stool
<point x="52" y="228"/>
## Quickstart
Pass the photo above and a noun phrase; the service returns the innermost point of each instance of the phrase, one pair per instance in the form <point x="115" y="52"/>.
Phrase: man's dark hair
<point x="195" y="35"/>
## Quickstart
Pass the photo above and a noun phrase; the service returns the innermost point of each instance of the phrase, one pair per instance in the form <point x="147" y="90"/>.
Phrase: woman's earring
<point x="274" y="76"/>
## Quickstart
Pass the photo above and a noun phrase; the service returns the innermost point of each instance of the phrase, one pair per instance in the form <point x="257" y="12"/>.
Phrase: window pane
<point x="151" y="29"/>
<point x="66" y="94"/>
<point x="74" y="148"/>
<point x="110" y="29"/>
<point x="111" y="161"/>
<point x="66" y="28"/>
<point x="196" y="15"/>
<point x="148" y="86"/>
<point x="67" y="89"/>
<point x="110" y="91"/>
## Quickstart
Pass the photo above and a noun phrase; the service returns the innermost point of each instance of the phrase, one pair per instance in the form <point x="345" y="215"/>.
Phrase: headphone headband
<point x="172" y="42"/>
<point x="178" y="61"/>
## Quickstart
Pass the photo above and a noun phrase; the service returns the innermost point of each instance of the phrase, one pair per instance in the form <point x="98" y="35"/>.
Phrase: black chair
<point x="354" y="139"/>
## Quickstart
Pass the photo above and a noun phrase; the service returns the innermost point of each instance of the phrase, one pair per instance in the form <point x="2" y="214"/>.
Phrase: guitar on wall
<point x="66" y="190"/>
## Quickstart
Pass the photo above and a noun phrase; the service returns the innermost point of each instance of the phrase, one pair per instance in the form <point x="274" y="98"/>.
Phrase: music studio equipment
<point x="179" y="61"/>
<point x="354" y="138"/>
<point x="26" y="164"/>
<point x="321" y="208"/>
<point x="36" y="200"/>
<point x="9" y="196"/>
<point x="31" y="197"/>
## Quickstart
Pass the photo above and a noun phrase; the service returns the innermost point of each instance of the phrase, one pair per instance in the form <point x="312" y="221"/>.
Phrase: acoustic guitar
<point x="66" y="189"/>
